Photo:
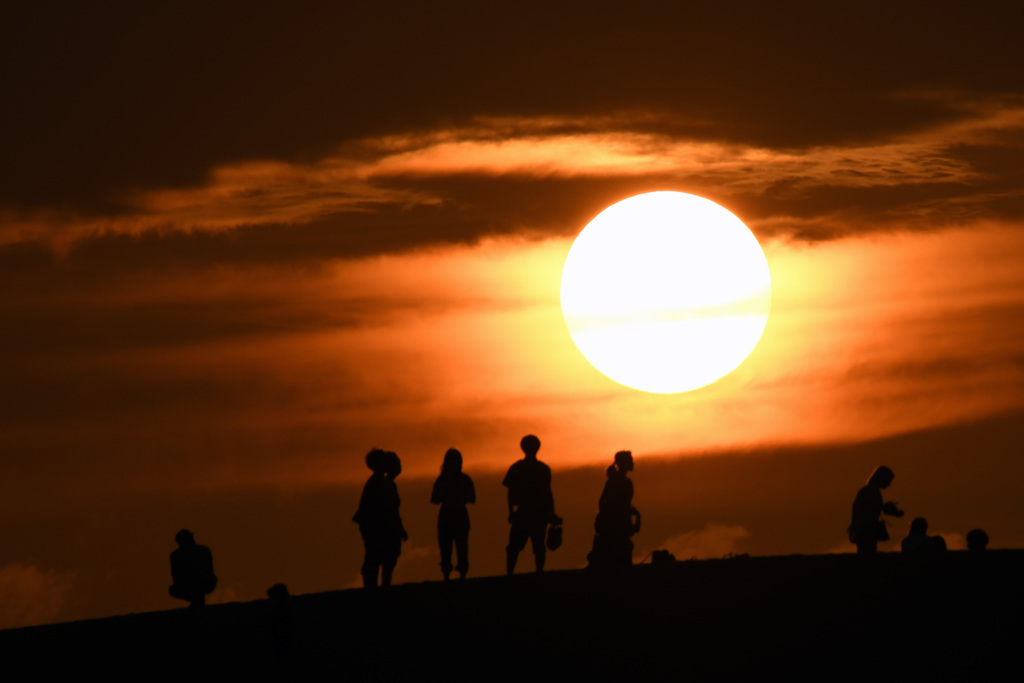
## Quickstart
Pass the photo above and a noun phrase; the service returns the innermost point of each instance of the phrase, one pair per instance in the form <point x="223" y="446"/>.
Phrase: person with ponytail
<point x="453" y="490"/>
<point x="617" y="519"/>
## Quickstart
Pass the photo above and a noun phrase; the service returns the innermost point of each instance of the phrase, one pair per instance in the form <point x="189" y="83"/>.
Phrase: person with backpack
<point x="617" y="520"/>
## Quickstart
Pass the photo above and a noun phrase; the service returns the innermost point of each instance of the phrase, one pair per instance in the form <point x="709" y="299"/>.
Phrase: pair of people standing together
<point x="531" y="508"/>
<point x="380" y="522"/>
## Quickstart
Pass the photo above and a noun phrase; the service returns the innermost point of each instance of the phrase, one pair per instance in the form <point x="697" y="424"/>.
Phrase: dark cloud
<point x="544" y="176"/>
<point x="103" y="99"/>
<point x="86" y="329"/>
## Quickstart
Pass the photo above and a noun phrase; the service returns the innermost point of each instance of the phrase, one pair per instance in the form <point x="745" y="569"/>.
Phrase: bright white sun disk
<point x="666" y="292"/>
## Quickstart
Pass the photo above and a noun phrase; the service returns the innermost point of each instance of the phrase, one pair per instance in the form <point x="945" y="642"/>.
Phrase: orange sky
<point x="226" y="272"/>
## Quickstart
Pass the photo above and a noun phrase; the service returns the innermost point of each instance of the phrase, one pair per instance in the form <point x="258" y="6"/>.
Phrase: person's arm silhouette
<point x="892" y="510"/>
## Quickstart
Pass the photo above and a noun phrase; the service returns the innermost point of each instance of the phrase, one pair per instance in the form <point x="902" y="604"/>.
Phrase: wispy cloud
<point x="868" y="337"/>
<point x="399" y="170"/>
<point x="918" y="158"/>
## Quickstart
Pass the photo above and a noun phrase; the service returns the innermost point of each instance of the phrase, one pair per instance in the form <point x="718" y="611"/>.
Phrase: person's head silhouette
<point x="184" y="538"/>
<point x="624" y="461"/>
<point x="919" y="527"/>
<point x="882" y="477"/>
<point x="376" y="460"/>
<point x="530" y="445"/>
<point x="452" y="462"/>
<point x="977" y="540"/>
<point x="278" y="593"/>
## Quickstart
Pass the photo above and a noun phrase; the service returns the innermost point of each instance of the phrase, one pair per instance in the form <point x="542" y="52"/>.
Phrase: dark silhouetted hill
<point x="827" y="616"/>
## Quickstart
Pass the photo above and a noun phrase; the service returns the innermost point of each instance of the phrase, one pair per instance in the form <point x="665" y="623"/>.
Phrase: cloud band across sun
<point x="777" y="187"/>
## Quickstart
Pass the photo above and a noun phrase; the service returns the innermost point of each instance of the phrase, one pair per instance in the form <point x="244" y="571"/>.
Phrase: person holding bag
<point x="867" y="527"/>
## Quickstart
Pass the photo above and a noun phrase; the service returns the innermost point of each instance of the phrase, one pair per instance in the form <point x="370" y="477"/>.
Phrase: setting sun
<point x="666" y="292"/>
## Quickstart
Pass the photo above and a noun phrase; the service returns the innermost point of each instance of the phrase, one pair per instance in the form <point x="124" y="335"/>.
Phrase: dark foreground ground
<point x="828" y="617"/>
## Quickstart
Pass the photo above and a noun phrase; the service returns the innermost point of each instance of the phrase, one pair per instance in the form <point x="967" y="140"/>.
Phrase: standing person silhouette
<point x="866" y="527"/>
<point x="531" y="505"/>
<point x="380" y="523"/>
<point x="615" y="517"/>
<point x="453" y="490"/>
<point x="191" y="570"/>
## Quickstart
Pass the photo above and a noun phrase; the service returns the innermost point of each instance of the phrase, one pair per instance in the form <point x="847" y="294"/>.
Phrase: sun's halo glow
<point x="666" y="292"/>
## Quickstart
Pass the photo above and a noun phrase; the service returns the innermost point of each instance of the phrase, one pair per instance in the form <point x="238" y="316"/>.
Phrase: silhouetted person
<point x="453" y="490"/>
<point x="867" y="528"/>
<point x="617" y="519"/>
<point x="917" y="543"/>
<point x="938" y="544"/>
<point x="278" y="594"/>
<point x="191" y="570"/>
<point x="282" y="624"/>
<point x="977" y="540"/>
<point x="380" y="523"/>
<point x="531" y="505"/>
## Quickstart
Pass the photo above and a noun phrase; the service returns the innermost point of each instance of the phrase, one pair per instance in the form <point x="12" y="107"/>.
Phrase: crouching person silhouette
<point x="191" y="570"/>
<point x="380" y="523"/>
